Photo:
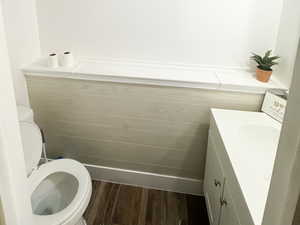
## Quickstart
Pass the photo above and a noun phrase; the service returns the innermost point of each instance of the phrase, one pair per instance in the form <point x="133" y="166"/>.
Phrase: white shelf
<point x="155" y="74"/>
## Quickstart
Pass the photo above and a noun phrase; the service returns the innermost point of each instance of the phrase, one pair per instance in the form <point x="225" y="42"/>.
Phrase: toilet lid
<point x="32" y="145"/>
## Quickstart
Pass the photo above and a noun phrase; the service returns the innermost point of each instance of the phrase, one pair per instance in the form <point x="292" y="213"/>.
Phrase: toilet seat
<point x="78" y="204"/>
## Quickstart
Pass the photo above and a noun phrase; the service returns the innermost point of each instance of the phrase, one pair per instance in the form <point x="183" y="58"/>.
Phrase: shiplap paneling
<point x="147" y="128"/>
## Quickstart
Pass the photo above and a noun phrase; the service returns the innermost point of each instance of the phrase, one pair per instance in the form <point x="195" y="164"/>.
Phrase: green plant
<point x="266" y="62"/>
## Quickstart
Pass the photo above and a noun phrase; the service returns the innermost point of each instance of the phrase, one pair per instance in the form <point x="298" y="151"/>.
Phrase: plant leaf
<point x="267" y="55"/>
<point x="274" y="58"/>
<point x="265" y="62"/>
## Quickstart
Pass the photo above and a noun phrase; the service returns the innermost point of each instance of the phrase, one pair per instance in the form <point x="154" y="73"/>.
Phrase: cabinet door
<point x="213" y="184"/>
<point x="228" y="212"/>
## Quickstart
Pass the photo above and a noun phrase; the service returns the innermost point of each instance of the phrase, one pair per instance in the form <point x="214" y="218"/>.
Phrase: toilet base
<point x="81" y="222"/>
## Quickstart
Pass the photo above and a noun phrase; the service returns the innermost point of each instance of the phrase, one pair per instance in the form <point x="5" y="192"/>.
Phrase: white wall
<point x="285" y="183"/>
<point x="22" y="39"/>
<point x="205" y="32"/>
<point x="287" y="42"/>
<point x="14" y="192"/>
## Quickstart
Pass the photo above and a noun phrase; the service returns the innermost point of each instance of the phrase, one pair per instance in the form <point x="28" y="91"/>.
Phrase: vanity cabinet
<point x="220" y="205"/>
<point x="239" y="165"/>
<point x="228" y="214"/>
<point x="213" y="184"/>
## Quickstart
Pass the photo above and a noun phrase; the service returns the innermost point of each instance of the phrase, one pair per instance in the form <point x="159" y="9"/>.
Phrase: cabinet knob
<point x="217" y="183"/>
<point x="223" y="202"/>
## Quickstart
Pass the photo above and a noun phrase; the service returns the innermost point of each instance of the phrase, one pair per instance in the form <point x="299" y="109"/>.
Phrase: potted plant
<point x="264" y="67"/>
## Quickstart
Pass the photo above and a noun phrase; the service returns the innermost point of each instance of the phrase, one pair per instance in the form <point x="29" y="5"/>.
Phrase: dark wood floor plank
<point x="108" y="204"/>
<point x="128" y="206"/>
<point x="156" y="209"/>
<point x="115" y="204"/>
<point x="176" y="208"/>
<point x="144" y="203"/>
<point x="91" y="211"/>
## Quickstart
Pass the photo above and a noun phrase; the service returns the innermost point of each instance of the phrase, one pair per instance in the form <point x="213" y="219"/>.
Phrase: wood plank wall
<point x="146" y="128"/>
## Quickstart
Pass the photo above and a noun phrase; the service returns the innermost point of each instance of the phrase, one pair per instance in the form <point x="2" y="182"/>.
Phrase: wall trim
<point x="147" y="180"/>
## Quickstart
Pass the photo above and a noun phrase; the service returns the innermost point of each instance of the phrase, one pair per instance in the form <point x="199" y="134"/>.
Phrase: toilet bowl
<point x="60" y="190"/>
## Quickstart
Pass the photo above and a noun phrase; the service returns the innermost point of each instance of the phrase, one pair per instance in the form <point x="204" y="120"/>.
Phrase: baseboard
<point x="147" y="180"/>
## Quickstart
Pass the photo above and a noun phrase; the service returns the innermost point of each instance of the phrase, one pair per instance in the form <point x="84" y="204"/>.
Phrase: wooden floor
<point x="115" y="204"/>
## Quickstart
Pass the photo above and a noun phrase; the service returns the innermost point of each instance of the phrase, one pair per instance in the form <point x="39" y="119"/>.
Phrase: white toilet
<point x="60" y="189"/>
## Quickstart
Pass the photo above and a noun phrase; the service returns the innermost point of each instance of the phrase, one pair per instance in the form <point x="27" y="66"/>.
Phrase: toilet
<point x="60" y="189"/>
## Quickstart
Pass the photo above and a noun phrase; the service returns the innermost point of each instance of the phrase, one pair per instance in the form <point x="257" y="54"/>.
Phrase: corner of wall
<point x="23" y="41"/>
<point x="287" y="41"/>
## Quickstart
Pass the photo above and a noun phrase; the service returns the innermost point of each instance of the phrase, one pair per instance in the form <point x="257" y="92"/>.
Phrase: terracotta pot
<point x="263" y="75"/>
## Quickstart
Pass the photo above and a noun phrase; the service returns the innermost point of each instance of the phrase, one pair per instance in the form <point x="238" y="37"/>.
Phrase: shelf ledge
<point x="236" y="80"/>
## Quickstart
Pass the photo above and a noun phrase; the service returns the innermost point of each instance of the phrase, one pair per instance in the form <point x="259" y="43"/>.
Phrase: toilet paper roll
<point x="53" y="60"/>
<point x="67" y="59"/>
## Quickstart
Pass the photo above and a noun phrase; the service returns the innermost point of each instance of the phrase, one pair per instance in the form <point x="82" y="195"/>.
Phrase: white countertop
<point x="251" y="140"/>
<point x="156" y="74"/>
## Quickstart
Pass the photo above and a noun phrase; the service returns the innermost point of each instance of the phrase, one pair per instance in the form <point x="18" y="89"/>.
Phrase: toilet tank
<point x="25" y="114"/>
<point x="32" y="145"/>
